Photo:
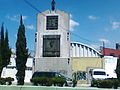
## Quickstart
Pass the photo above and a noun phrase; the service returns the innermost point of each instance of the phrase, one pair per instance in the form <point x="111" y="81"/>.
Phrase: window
<point x="35" y="37"/>
<point x="99" y="73"/>
<point x="68" y="35"/>
<point x="51" y="46"/>
<point x="52" y="23"/>
<point x="80" y="75"/>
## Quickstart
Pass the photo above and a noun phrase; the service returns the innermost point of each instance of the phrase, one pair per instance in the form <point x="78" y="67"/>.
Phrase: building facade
<point x="84" y="59"/>
<point x="110" y="52"/>
<point x="53" y="42"/>
<point x="110" y="66"/>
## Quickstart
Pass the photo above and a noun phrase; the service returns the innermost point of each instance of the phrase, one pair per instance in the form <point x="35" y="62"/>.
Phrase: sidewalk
<point x="83" y="85"/>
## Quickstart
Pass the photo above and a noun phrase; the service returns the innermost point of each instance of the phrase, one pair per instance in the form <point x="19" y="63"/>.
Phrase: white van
<point x="99" y="74"/>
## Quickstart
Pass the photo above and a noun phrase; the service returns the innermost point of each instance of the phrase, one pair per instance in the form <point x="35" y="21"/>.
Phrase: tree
<point x="21" y="54"/>
<point x="118" y="68"/>
<point x="5" y="50"/>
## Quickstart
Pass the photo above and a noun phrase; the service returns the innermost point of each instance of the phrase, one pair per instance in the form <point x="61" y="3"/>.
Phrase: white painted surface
<point x="10" y="70"/>
<point x="83" y="50"/>
<point x="110" y="65"/>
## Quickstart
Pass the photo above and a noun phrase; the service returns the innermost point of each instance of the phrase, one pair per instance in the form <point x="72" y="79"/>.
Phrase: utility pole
<point x="103" y="48"/>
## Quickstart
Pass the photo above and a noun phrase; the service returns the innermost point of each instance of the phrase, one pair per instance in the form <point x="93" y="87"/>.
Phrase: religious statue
<point x="53" y="5"/>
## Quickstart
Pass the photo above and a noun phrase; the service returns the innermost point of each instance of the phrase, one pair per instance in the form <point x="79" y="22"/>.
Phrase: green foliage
<point x="94" y="83"/>
<point x="2" y="81"/>
<point x="74" y="82"/>
<point x="35" y="81"/>
<point x="21" y="54"/>
<point x="45" y="81"/>
<point x="113" y="83"/>
<point x="5" y="51"/>
<point x="59" y="81"/>
<point x="105" y="84"/>
<point x="8" y="81"/>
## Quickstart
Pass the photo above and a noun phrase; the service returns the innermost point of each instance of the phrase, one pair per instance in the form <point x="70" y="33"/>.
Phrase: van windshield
<point x="99" y="73"/>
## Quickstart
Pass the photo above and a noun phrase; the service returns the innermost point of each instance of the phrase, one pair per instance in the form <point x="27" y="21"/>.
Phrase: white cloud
<point x="24" y="17"/>
<point x="31" y="27"/>
<point x="13" y="51"/>
<point x="15" y="18"/>
<point x="115" y="25"/>
<point x="71" y="16"/>
<point x="92" y="17"/>
<point x="73" y="23"/>
<point x="12" y="18"/>
<point x="104" y="40"/>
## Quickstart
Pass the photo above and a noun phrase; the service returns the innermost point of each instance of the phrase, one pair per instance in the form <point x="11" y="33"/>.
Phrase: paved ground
<point x="88" y="87"/>
<point x="82" y="87"/>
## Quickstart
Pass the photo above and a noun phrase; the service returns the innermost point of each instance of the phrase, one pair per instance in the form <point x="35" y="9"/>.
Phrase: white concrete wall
<point x="10" y="70"/>
<point x="110" y="65"/>
<point x="61" y="65"/>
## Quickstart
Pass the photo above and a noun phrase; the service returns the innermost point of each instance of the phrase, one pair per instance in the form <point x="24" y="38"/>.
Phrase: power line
<point x="84" y="38"/>
<point x="32" y="6"/>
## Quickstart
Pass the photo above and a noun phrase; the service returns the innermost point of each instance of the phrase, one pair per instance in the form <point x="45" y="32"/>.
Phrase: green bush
<point x="105" y="84"/>
<point x="113" y="83"/>
<point x="35" y="81"/>
<point x="8" y="81"/>
<point x="44" y="81"/>
<point x="58" y="81"/>
<point x="2" y="81"/>
<point x="49" y="82"/>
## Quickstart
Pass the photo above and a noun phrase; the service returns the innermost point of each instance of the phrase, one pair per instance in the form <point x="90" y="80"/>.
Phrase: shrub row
<point x="44" y="81"/>
<point x="8" y="81"/>
<point x="106" y="83"/>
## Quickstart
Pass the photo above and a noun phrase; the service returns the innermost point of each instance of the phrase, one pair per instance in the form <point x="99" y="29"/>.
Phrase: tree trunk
<point x="1" y="69"/>
<point x="20" y="77"/>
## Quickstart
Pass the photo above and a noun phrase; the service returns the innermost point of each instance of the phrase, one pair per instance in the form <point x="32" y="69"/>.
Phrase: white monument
<point x="53" y="42"/>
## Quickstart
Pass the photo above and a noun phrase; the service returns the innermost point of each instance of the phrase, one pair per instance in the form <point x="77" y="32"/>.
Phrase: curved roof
<point x="86" y="46"/>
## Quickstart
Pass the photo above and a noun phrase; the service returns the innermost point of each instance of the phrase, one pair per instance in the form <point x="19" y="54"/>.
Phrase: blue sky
<point x="92" y="21"/>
